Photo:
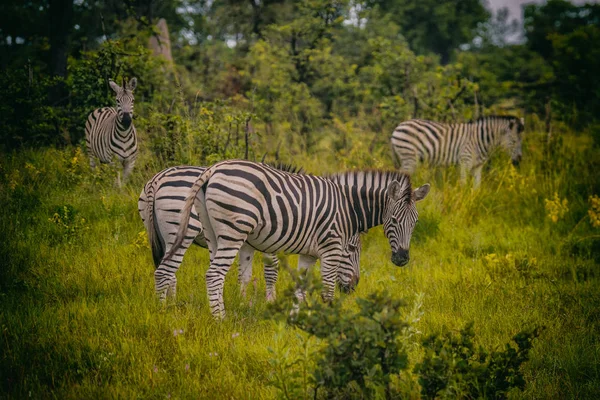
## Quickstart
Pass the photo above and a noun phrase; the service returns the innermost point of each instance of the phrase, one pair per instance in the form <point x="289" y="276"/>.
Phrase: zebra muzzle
<point x="400" y="257"/>
<point x="126" y="120"/>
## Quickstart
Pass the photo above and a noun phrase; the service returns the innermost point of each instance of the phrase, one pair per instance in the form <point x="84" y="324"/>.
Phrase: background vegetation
<point x="320" y="84"/>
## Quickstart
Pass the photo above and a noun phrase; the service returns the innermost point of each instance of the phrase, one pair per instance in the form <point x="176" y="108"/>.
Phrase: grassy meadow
<point x="79" y="318"/>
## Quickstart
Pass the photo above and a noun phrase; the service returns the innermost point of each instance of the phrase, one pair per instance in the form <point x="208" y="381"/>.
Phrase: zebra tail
<point x="187" y="210"/>
<point x="156" y="241"/>
<point x="147" y="208"/>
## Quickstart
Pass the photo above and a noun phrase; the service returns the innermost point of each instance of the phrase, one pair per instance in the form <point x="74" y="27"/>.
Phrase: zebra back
<point x="470" y="143"/>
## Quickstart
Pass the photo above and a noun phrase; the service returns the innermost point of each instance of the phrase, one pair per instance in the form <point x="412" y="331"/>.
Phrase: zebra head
<point x="349" y="268"/>
<point x="512" y="138"/>
<point x="124" y="100"/>
<point x="400" y="217"/>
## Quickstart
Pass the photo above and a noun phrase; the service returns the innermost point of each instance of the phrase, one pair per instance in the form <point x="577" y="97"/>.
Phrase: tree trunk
<point x="61" y="22"/>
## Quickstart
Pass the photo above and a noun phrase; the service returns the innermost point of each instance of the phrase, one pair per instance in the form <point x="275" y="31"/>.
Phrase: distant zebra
<point x="110" y="132"/>
<point x="271" y="210"/>
<point x="468" y="145"/>
<point x="160" y="205"/>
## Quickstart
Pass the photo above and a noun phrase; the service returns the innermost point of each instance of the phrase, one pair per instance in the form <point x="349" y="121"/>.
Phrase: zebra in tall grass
<point x="315" y="217"/>
<point x="110" y="132"/>
<point x="160" y="205"/>
<point x="468" y="145"/>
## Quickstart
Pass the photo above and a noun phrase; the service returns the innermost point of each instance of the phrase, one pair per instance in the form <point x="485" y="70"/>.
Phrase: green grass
<point x="79" y="318"/>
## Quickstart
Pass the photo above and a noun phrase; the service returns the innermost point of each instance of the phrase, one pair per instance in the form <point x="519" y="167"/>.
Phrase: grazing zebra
<point x="160" y="205"/>
<point x="272" y="210"/>
<point x="110" y="131"/>
<point x="467" y="144"/>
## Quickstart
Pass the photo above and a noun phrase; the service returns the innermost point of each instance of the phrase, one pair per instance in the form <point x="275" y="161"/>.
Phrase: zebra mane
<point x="495" y="117"/>
<point x="286" y="167"/>
<point x="384" y="177"/>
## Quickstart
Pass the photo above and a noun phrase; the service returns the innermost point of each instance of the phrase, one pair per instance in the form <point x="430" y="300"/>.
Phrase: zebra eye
<point x="394" y="220"/>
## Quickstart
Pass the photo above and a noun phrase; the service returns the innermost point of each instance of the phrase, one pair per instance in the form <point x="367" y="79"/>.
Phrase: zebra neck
<point x="367" y="205"/>
<point x="124" y="130"/>
<point x="485" y="136"/>
<point x="123" y="126"/>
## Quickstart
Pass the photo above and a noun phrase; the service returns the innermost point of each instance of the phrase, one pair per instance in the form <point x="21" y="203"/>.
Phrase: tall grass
<point x="79" y="318"/>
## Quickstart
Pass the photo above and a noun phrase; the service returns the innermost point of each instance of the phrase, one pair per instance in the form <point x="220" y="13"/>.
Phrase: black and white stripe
<point x="468" y="145"/>
<point x="110" y="132"/>
<point x="272" y="210"/>
<point x="160" y="205"/>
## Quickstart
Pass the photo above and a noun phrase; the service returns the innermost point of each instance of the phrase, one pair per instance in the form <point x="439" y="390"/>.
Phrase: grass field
<point x="79" y="318"/>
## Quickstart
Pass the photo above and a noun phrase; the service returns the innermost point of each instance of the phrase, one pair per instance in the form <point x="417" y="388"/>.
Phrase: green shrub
<point x="362" y="350"/>
<point x="453" y="368"/>
<point x="25" y="111"/>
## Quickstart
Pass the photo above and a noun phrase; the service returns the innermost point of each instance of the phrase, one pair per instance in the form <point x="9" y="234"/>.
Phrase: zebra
<point x="160" y="204"/>
<point x="109" y="131"/>
<point x="272" y="210"/>
<point x="468" y="145"/>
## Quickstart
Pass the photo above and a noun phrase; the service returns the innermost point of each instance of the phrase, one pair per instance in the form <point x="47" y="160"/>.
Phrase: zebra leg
<point x="245" y="267"/>
<point x="128" y="164"/>
<point x="304" y="263"/>
<point x="271" y="263"/>
<point x="464" y="167"/>
<point x="165" y="280"/>
<point x="477" y="176"/>
<point x="329" y="269"/>
<point x="215" y="277"/>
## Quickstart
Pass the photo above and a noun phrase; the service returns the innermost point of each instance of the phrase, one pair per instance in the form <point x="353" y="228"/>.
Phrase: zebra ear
<point x="422" y="192"/>
<point x="396" y="191"/>
<point x="114" y="86"/>
<point x="132" y="84"/>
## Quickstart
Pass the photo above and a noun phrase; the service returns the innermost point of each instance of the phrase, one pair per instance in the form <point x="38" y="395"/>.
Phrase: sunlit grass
<point x="79" y="317"/>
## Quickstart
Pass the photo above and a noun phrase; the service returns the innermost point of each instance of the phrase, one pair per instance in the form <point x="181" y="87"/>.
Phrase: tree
<point x="431" y="25"/>
<point x="567" y="36"/>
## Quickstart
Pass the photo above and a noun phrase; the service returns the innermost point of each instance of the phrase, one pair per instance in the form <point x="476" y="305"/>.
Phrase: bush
<point x="363" y="350"/>
<point x="452" y="367"/>
<point x="26" y="114"/>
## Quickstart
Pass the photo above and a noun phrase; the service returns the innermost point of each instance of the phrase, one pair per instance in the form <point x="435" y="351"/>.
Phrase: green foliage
<point x="432" y="26"/>
<point x="452" y="367"/>
<point x="567" y="37"/>
<point x="67" y="221"/>
<point x="211" y="132"/>
<point x="25" y="111"/>
<point x="362" y="349"/>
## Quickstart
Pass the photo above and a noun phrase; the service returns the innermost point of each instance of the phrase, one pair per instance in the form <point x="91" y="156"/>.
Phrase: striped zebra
<point x="315" y="217"/>
<point x="468" y="145"/>
<point x="110" y="132"/>
<point x="160" y="204"/>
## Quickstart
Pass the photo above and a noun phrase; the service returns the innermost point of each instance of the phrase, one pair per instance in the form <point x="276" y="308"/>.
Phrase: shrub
<point x="362" y="350"/>
<point x="452" y="367"/>
<point x="25" y="111"/>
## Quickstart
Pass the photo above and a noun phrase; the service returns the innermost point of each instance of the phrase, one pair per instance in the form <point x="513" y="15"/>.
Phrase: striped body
<point x="468" y="145"/>
<point x="160" y="205"/>
<point x="316" y="217"/>
<point x="109" y="132"/>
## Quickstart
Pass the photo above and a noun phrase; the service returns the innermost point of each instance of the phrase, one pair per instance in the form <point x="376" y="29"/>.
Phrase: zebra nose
<point x="350" y="286"/>
<point x="516" y="161"/>
<point x="126" y="118"/>
<point x="400" y="257"/>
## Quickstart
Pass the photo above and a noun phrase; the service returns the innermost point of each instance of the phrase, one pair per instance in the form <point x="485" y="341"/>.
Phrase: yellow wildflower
<point x="594" y="211"/>
<point x="556" y="207"/>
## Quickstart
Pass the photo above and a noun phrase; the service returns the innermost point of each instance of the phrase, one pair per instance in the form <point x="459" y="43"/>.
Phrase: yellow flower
<point x="556" y="208"/>
<point x="594" y="211"/>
